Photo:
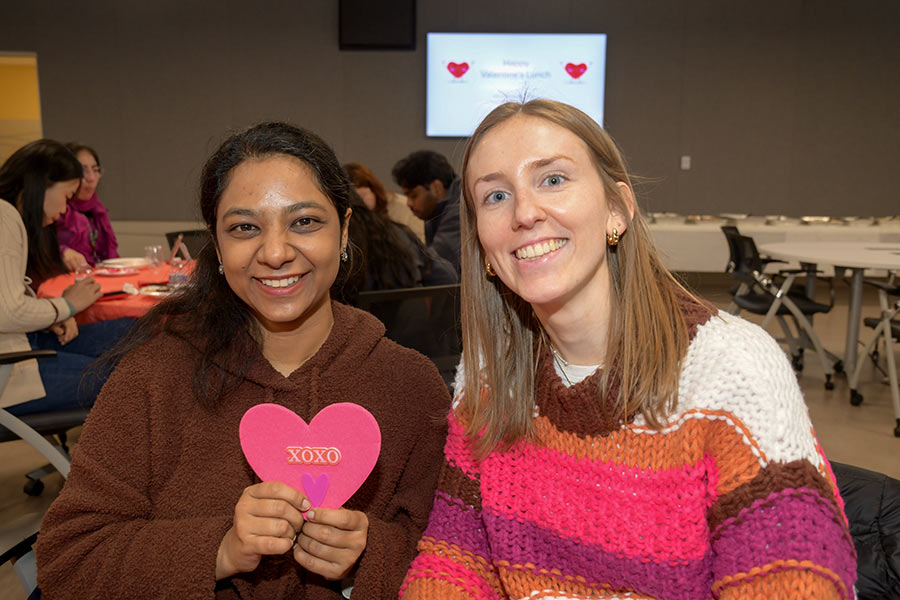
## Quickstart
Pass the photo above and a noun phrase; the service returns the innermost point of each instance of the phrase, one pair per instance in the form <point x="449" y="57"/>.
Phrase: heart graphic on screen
<point x="458" y="69"/>
<point x="328" y="460"/>
<point x="576" y="71"/>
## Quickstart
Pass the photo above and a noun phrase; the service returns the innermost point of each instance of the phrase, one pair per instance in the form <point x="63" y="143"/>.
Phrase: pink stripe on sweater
<point x="457" y="451"/>
<point x="428" y="566"/>
<point x="626" y="511"/>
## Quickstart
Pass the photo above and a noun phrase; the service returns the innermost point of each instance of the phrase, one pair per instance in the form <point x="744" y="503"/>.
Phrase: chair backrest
<point x="731" y="233"/>
<point x="423" y="318"/>
<point x="194" y="240"/>
<point x="744" y="258"/>
<point x="748" y="255"/>
<point x="872" y="506"/>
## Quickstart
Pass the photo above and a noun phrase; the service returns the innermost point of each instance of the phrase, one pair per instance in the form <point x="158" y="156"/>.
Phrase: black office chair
<point x="887" y="331"/>
<point x="731" y="234"/>
<point x="423" y="318"/>
<point x="194" y="240"/>
<point x="45" y="431"/>
<point x="776" y="296"/>
<point x="872" y="506"/>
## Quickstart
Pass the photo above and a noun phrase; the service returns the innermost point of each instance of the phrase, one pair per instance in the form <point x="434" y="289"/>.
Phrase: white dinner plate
<point x="124" y="263"/>
<point x="115" y="272"/>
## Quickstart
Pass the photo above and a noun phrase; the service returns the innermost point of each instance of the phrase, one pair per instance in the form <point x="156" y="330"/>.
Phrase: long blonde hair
<point x="647" y="337"/>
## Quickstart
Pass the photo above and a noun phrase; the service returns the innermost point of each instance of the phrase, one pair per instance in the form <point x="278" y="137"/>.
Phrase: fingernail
<point x="304" y="504"/>
<point x="311" y="515"/>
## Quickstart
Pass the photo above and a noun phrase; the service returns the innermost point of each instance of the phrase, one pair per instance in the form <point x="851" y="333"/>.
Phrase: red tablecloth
<point x="112" y="307"/>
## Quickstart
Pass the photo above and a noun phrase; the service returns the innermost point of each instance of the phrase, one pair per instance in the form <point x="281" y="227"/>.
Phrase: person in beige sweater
<point x="160" y="502"/>
<point x="35" y="182"/>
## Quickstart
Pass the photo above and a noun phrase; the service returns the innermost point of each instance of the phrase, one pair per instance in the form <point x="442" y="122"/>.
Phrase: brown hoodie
<point x="155" y="476"/>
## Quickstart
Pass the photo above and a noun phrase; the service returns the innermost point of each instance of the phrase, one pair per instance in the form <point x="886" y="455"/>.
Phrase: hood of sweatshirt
<point x="338" y="365"/>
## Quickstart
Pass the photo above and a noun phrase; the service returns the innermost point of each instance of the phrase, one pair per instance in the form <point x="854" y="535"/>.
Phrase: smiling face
<point x="92" y="173"/>
<point x="55" y="197"/>
<point x="542" y="213"/>
<point x="279" y="241"/>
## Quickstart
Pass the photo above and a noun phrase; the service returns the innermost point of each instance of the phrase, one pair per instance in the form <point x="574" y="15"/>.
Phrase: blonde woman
<point x="613" y="436"/>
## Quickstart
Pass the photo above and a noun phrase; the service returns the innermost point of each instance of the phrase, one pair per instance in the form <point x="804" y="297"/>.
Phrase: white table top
<point x="854" y="255"/>
<point x="701" y="246"/>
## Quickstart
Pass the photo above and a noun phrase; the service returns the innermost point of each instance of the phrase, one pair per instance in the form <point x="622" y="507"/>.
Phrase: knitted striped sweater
<point x="732" y="499"/>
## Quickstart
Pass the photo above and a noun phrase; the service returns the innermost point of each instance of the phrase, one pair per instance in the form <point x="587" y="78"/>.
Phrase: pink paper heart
<point x="341" y="443"/>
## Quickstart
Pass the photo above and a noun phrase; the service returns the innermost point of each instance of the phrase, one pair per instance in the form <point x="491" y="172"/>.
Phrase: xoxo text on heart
<point x="313" y="455"/>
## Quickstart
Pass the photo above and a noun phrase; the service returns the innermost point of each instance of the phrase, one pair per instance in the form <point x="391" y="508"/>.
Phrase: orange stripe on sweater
<point x="784" y="584"/>
<point x="519" y="580"/>
<point x="683" y="443"/>
<point x="782" y="568"/>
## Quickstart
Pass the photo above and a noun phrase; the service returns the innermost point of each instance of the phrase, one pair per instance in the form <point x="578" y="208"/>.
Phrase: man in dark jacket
<point x="432" y="188"/>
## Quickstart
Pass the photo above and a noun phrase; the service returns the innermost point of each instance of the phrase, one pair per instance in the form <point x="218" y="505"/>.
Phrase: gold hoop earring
<point x="489" y="269"/>
<point x="612" y="239"/>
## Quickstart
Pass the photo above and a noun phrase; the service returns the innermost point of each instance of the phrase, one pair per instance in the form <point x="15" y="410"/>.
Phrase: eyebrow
<point x="535" y="164"/>
<point x="249" y="212"/>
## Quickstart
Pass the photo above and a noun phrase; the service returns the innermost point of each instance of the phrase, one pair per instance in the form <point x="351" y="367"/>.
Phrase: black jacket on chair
<point x="872" y="504"/>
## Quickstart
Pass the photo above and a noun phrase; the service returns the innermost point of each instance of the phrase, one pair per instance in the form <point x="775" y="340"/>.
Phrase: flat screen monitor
<point x="468" y="74"/>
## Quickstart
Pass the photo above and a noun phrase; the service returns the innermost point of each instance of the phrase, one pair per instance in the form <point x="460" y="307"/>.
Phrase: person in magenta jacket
<point x="85" y="234"/>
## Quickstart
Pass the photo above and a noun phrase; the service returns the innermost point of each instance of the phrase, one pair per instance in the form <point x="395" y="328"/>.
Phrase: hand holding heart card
<point x="328" y="460"/>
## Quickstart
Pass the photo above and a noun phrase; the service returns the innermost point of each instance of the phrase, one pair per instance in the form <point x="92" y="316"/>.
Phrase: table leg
<point x="854" y="311"/>
<point x="811" y="279"/>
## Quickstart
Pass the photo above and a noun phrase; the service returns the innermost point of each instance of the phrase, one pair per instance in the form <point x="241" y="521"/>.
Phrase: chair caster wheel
<point x="897" y="429"/>
<point x="829" y="384"/>
<point x="797" y="362"/>
<point x="34" y="487"/>
<point x="838" y="366"/>
<point x="855" y="398"/>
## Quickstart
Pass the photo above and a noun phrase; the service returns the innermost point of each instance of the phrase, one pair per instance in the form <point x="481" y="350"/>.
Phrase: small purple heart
<point x="315" y="488"/>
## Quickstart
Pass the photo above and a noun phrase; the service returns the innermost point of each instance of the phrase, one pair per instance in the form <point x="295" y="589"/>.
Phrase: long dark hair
<point x="207" y="311"/>
<point x="76" y="147"/>
<point x="24" y="178"/>
<point x="384" y="254"/>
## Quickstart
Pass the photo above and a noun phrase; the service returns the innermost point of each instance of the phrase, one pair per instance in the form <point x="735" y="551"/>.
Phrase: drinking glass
<point x="154" y="254"/>
<point x="83" y="272"/>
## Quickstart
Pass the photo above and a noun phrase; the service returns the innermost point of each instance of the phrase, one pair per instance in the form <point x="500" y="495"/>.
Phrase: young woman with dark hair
<point x="85" y="234"/>
<point x="613" y="435"/>
<point x="35" y="182"/>
<point x="160" y="501"/>
<point x="388" y="256"/>
<point x="376" y="198"/>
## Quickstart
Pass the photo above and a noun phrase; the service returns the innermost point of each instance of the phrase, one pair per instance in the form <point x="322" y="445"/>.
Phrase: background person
<point x="160" y="501"/>
<point x="432" y="189"/>
<point x="377" y="198"/>
<point x="35" y="182"/>
<point x="389" y="256"/>
<point x="613" y="435"/>
<point x="85" y="234"/>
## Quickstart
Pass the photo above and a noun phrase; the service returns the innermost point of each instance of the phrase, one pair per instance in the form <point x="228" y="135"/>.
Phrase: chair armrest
<point x="8" y="358"/>
<point x="798" y="271"/>
<point x="886" y="287"/>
